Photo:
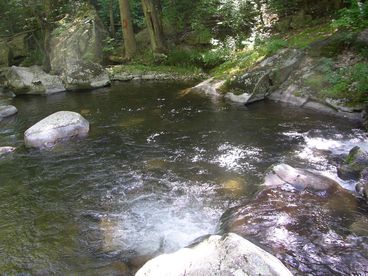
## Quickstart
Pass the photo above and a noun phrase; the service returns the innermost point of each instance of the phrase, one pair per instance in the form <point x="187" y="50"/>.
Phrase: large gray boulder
<point x="216" y="255"/>
<point x="84" y="75"/>
<point x="7" y="111"/>
<point x="32" y="80"/>
<point x="76" y="50"/>
<point x="58" y="127"/>
<point x="266" y="76"/>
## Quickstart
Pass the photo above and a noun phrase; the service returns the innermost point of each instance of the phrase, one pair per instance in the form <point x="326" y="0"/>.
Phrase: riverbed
<point x="157" y="171"/>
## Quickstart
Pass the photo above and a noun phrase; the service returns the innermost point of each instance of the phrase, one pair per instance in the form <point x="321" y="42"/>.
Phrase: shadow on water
<point x="157" y="171"/>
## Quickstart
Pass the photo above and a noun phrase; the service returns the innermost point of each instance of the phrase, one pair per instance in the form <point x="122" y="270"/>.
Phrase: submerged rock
<point x="60" y="126"/>
<point x="7" y="111"/>
<point x="216" y="255"/>
<point x="6" y="150"/>
<point x="362" y="186"/>
<point x="354" y="164"/>
<point x="306" y="231"/>
<point x="299" y="179"/>
<point x="32" y="80"/>
<point x="209" y="87"/>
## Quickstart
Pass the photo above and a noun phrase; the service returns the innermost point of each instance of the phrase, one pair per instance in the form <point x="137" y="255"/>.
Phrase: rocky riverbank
<point x="307" y="78"/>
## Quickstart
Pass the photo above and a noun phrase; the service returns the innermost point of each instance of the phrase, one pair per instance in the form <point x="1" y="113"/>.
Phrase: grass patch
<point x="246" y="59"/>
<point x="309" y="35"/>
<point x="162" y="69"/>
<point x="349" y="83"/>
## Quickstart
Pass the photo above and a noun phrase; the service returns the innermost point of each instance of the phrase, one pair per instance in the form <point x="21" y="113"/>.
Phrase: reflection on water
<point x="156" y="172"/>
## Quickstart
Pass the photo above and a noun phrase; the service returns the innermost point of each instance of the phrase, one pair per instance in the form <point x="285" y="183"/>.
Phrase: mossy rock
<point x="354" y="164"/>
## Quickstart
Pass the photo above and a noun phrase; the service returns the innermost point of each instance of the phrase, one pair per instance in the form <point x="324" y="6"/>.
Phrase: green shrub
<point x="274" y="45"/>
<point x="350" y="83"/>
<point x="35" y="57"/>
<point x="354" y="17"/>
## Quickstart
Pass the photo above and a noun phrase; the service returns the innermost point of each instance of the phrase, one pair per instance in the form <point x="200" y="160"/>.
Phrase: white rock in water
<point x="7" y="110"/>
<point x="216" y="255"/>
<point x="6" y="150"/>
<point x="57" y="127"/>
<point x="243" y="98"/>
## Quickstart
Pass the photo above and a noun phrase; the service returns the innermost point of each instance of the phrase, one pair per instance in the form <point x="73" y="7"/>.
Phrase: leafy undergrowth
<point x="348" y="83"/>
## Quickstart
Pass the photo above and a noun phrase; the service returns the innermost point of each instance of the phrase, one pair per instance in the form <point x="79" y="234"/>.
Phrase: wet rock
<point x="302" y="229"/>
<point x="354" y="164"/>
<point x="84" y="75"/>
<point x="60" y="126"/>
<point x="6" y="150"/>
<point x="209" y="87"/>
<point x="362" y="189"/>
<point x="216" y="255"/>
<point x="362" y="186"/>
<point x="7" y="111"/>
<point x="32" y="80"/>
<point x="299" y="179"/>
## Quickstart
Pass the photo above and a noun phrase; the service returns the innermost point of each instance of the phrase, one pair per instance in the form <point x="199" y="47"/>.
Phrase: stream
<point x="157" y="171"/>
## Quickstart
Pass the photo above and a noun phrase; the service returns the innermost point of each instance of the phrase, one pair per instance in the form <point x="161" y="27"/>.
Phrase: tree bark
<point x="127" y="27"/>
<point x="154" y="26"/>
<point x="111" y="15"/>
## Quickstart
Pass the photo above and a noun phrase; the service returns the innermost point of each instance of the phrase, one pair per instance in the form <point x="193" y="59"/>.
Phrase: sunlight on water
<point x="237" y="157"/>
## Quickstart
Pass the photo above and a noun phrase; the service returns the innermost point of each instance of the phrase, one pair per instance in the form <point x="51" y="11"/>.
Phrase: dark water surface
<point x="157" y="171"/>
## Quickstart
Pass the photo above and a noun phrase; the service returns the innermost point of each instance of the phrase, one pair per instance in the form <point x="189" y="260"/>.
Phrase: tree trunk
<point x="46" y="28"/>
<point x="111" y="15"/>
<point x="154" y="26"/>
<point x="127" y="26"/>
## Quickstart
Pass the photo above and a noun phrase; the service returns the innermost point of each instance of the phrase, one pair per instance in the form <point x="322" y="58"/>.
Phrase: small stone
<point x="7" y="110"/>
<point x="6" y="150"/>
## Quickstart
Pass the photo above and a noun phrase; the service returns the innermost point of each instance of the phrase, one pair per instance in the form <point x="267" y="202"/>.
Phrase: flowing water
<point x="157" y="171"/>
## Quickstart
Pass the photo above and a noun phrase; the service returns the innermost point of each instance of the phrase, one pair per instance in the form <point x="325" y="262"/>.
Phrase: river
<point x="157" y="171"/>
